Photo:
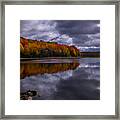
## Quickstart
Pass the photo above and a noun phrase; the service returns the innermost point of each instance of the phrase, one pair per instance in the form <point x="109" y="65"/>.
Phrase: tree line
<point x="35" y="49"/>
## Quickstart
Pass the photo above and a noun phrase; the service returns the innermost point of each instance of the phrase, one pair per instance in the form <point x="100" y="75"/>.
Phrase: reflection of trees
<point x="27" y="69"/>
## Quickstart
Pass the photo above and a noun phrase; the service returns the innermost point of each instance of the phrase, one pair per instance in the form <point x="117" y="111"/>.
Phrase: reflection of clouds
<point x="89" y="63"/>
<point x="88" y="66"/>
<point x="45" y="84"/>
<point x="64" y="75"/>
<point x="80" y="33"/>
<point x="91" y="68"/>
<point x="93" y="73"/>
<point x="87" y="73"/>
<point x="81" y="83"/>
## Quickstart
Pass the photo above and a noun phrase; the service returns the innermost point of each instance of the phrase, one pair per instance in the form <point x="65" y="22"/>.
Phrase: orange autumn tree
<point x="35" y="49"/>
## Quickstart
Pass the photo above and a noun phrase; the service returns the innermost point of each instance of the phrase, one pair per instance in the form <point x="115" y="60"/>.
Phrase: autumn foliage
<point x="37" y="49"/>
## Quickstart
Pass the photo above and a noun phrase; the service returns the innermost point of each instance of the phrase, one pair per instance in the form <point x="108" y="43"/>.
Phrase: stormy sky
<point x="84" y="34"/>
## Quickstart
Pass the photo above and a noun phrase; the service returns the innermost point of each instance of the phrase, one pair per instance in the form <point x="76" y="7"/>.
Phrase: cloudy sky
<point x="84" y="34"/>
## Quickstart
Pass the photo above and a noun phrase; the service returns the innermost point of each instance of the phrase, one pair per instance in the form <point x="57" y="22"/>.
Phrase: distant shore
<point x="89" y="54"/>
<point x="82" y="54"/>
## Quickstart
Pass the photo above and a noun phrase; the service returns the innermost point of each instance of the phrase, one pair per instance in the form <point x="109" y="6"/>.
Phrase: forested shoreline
<point x="34" y="49"/>
<point x="38" y="49"/>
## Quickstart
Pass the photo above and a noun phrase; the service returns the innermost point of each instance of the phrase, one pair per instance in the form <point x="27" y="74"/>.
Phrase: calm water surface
<point x="61" y="79"/>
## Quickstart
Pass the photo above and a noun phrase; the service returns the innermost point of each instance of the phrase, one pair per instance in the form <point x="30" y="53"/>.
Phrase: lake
<point x="60" y="79"/>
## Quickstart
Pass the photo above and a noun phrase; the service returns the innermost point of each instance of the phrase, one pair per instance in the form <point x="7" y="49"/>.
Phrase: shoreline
<point x="82" y="55"/>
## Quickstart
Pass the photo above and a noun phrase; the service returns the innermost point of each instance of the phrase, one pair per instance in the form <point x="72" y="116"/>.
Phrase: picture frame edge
<point x="2" y="75"/>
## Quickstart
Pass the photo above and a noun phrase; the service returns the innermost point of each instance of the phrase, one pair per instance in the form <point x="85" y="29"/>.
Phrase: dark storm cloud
<point x="37" y="29"/>
<point x="87" y="39"/>
<point x="76" y="27"/>
<point x="83" y="32"/>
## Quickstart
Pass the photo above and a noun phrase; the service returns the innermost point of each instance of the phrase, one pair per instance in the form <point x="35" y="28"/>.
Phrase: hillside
<point x="37" y="49"/>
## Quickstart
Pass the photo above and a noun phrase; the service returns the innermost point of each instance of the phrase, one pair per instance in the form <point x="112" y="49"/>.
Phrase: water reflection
<point x="75" y="80"/>
<point x="30" y="68"/>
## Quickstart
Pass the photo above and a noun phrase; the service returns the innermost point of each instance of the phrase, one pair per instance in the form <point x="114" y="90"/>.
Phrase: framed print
<point x="60" y="59"/>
